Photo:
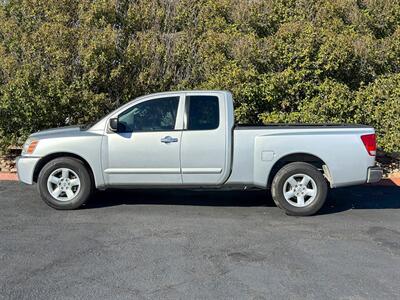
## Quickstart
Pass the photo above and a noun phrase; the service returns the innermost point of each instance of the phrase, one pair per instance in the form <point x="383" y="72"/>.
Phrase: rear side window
<point x="203" y="112"/>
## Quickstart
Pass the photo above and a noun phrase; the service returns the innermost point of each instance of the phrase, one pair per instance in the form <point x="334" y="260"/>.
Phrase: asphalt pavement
<point x="163" y="244"/>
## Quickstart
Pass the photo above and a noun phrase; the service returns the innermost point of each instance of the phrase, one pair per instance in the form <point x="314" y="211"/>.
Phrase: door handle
<point x="169" y="139"/>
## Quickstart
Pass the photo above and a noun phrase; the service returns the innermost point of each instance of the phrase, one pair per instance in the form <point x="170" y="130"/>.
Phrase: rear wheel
<point x="65" y="183"/>
<point x="299" y="189"/>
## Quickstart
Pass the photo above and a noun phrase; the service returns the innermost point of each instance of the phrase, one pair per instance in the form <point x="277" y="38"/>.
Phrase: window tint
<point x="152" y="115"/>
<point x="203" y="112"/>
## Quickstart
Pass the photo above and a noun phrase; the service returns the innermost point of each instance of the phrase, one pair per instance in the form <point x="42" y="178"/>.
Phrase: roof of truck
<point x="185" y="91"/>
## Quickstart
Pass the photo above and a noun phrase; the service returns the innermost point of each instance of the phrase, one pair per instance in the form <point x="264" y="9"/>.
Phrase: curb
<point x="391" y="181"/>
<point x="8" y="176"/>
<point x="387" y="182"/>
<point x="395" y="179"/>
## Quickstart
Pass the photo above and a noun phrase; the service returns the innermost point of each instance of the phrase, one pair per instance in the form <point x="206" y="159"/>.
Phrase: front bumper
<point x="374" y="174"/>
<point x="26" y="167"/>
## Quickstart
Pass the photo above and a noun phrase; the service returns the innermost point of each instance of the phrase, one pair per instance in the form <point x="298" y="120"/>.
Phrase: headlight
<point x="29" y="146"/>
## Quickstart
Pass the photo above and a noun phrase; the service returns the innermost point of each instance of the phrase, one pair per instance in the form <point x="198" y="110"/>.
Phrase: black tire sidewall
<point x="79" y="168"/>
<point x="299" y="168"/>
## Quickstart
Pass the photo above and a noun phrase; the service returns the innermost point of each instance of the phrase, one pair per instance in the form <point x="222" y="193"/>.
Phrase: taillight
<point x="369" y="142"/>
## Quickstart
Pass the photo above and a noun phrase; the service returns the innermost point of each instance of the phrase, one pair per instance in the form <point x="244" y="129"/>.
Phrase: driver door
<point x="146" y="147"/>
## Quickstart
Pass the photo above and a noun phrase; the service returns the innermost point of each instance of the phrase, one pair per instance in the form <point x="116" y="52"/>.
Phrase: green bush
<point x="379" y="105"/>
<point x="64" y="62"/>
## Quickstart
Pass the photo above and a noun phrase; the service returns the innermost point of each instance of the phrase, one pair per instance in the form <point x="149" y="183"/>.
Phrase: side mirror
<point x="114" y="124"/>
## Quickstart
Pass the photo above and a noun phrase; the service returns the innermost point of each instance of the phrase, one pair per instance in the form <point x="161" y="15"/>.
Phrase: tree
<point x="66" y="61"/>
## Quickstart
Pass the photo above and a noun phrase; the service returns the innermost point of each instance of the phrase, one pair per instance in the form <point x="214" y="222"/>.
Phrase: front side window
<point x="152" y="115"/>
<point x="203" y="112"/>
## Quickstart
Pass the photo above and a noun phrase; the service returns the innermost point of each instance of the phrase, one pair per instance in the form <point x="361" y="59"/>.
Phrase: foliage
<point x="379" y="105"/>
<point x="66" y="61"/>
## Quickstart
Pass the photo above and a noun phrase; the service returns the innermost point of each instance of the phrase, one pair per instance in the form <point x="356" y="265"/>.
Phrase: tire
<point x="68" y="178"/>
<point x="299" y="188"/>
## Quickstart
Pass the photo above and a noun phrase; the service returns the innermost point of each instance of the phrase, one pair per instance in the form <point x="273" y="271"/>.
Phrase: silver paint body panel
<point x="341" y="149"/>
<point x="204" y="158"/>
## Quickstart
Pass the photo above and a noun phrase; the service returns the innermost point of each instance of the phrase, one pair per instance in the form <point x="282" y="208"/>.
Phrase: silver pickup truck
<point x="188" y="139"/>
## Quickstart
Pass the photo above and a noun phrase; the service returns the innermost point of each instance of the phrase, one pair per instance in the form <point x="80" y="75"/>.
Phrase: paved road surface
<point x="199" y="245"/>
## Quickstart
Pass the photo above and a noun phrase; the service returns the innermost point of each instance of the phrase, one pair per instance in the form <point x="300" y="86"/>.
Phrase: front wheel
<point x="299" y="189"/>
<point x="64" y="183"/>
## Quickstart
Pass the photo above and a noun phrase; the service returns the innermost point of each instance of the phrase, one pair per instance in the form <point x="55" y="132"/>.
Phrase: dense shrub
<point x="379" y="105"/>
<point x="66" y="61"/>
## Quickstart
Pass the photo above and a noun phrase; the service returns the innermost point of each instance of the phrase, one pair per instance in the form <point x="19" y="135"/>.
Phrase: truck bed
<point x="258" y="147"/>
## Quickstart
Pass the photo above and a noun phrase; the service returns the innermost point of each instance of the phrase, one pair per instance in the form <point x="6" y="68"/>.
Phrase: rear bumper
<point x="374" y="174"/>
<point x="25" y="168"/>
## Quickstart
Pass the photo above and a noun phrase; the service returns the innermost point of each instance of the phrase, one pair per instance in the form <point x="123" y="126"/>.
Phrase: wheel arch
<point x="45" y="159"/>
<point x="299" y="157"/>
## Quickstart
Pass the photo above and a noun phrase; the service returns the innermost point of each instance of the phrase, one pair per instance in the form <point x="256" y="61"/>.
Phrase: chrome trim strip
<point x="201" y="170"/>
<point x="143" y="171"/>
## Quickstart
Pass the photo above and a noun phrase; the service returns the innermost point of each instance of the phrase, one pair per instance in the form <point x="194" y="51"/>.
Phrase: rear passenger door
<point x="203" y="148"/>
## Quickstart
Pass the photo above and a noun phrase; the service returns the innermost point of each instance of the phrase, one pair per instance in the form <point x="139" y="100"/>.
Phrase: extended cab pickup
<point x="189" y="139"/>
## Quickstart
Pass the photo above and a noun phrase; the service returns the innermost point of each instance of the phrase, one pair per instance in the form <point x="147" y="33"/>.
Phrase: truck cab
<point x="169" y="139"/>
